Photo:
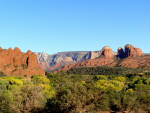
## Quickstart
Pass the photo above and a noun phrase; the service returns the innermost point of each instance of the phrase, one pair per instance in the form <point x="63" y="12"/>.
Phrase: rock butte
<point x="131" y="51"/>
<point x="130" y="57"/>
<point x="16" y="63"/>
<point x="107" y="52"/>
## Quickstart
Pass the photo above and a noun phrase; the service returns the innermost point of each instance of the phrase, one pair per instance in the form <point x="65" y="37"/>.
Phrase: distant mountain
<point x="57" y="61"/>
<point x="130" y="57"/>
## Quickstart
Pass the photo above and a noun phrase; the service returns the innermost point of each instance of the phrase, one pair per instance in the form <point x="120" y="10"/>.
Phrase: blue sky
<point x="70" y="25"/>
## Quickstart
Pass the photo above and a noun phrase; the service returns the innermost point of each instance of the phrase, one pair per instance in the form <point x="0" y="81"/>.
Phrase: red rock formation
<point x="107" y="52"/>
<point x="131" y="51"/>
<point x="29" y="52"/>
<point x="131" y="57"/>
<point x="31" y="62"/>
<point x="106" y="59"/>
<point x="14" y="62"/>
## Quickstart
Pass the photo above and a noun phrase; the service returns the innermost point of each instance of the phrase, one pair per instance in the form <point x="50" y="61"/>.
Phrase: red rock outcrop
<point x="131" y="57"/>
<point x="106" y="59"/>
<point x="107" y="52"/>
<point x="131" y="51"/>
<point x="16" y="63"/>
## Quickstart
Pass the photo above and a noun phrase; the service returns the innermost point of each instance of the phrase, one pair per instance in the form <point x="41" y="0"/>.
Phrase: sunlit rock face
<point x="59" y="60"/>
<point x="105" y="57"/>
<point x="130" y="57"/>
<point x="107" y="52"/>
<point x="16" y="63"/>
<point x="131" y="51"/>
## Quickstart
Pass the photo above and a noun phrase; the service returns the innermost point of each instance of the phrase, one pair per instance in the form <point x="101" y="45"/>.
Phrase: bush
<point x="24" y="95"/>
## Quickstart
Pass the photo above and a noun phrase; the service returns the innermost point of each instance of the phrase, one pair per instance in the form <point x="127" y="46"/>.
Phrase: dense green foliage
<point x="73" y="93"/>
<point x="18" y="95"/>
<point x="104" y="71"/>
<point x="95" y="93"/>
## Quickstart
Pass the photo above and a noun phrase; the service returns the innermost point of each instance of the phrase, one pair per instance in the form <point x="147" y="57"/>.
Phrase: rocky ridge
<point x="56" y="61"/>
<point x="130" y="57"/>
<point x="16" y="63"/>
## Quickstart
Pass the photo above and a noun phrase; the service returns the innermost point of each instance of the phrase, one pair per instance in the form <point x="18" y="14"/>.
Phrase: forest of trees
<point x="74" y="93"/>
<point x="106" y="71"/>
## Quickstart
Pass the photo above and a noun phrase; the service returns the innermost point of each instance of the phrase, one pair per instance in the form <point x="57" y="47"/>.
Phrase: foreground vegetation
<point x="74" y="93"/>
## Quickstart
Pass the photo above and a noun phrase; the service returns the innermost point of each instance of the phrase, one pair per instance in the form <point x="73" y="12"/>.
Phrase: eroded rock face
<point x="130" y="57"/>
<point x="14" y="62"/>
<point x="31" y="62"/>
<point x="107" y="52"/>
<point x="129" y="51"/>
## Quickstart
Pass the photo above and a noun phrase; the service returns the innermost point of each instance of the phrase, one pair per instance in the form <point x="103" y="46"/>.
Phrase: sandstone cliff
<point x="130" y="57"/>
<point x="16" y="63"/>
